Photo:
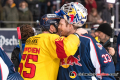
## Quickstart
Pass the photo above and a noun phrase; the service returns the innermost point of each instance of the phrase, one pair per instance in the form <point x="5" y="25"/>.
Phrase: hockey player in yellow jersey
<point x="42" y="53"/>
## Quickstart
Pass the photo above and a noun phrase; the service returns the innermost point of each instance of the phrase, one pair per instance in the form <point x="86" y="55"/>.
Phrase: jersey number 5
<point x="29" y="65"/>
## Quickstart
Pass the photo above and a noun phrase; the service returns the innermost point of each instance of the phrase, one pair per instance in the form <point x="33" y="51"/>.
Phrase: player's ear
<point x="51" y="28"/>
<point x="71" y="26"/>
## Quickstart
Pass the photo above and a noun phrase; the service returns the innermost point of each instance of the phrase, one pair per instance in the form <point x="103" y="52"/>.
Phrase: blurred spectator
<point x="94" y="17"/>
<point x="26" y="32"/>
<point x="17" y="2"/>
<point x="89" y="4"/>
<point x="24" y="13"/>
<point x="106" y="13"/>
<point x="104" y="34"/>
<point x="10" y="13"/>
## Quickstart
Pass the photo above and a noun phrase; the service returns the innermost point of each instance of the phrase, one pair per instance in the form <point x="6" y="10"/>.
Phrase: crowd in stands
<point x="31" y="10"/>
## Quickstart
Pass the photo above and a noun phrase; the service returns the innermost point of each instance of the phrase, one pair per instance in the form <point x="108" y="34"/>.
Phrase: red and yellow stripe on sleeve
<point x="66" y="46"/>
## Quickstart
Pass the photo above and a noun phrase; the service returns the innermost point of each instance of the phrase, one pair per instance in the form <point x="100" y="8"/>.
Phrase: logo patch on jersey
<point x="99" y="46"/>
<point x="72" y="74"/>
<point x="32" y="41"/>
<point x="59" y="39"/>
<point x="71" y="60"/>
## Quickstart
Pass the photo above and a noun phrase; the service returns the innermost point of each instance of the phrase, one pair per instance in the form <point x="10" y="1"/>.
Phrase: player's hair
<point x="43" y="28"/>
<point x="26" y="32"/>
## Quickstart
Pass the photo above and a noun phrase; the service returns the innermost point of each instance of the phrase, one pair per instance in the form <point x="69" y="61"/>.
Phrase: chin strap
<point x="53" y="32"/>
<point x="56" y="30"/>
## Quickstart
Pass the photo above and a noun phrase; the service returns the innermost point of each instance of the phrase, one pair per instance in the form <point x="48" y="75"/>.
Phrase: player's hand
<point x="111" y="51"/>
<point x="81" y="31"/>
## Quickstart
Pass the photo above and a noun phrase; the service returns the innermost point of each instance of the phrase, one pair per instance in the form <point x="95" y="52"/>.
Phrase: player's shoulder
<point x="47" y="35"/>
<point x="87" y="37"/>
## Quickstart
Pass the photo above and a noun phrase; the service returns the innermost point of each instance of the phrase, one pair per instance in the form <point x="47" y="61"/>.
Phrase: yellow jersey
<point x="42" y="54"/>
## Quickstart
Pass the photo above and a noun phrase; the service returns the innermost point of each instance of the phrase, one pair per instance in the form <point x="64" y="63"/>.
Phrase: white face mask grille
<point x="78" y="12"/>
